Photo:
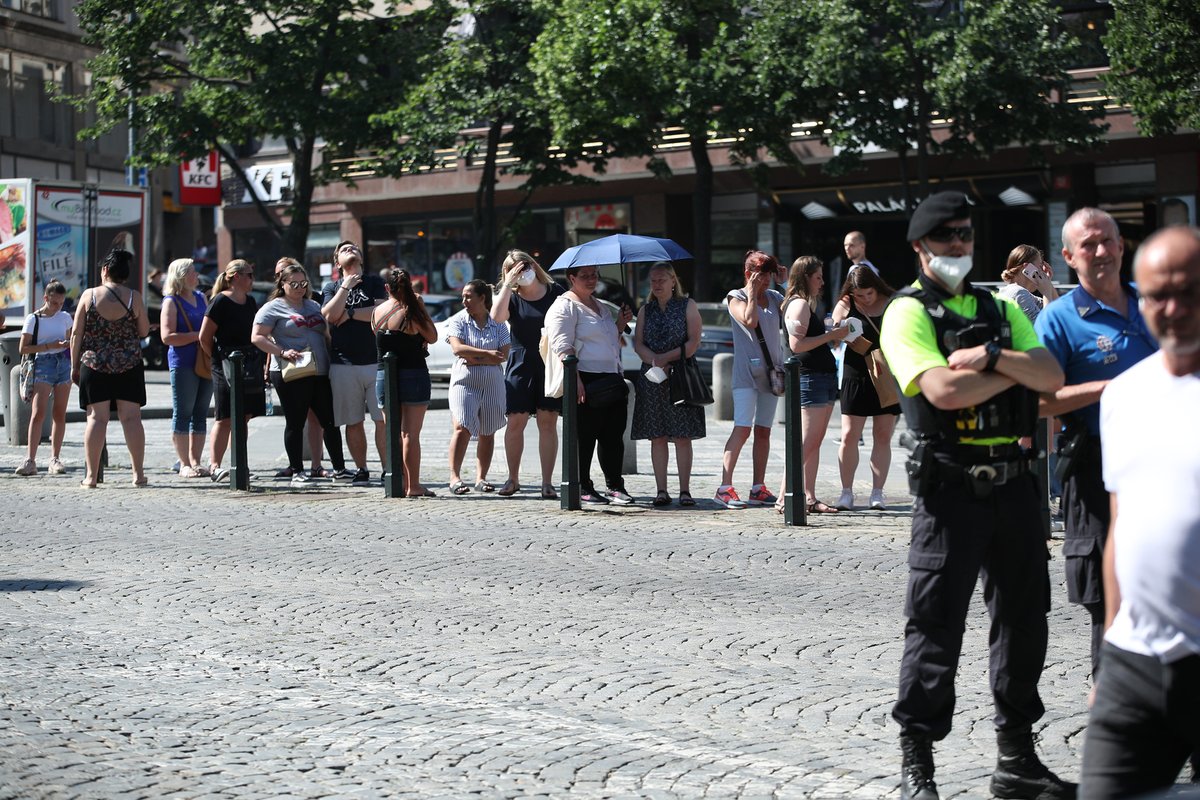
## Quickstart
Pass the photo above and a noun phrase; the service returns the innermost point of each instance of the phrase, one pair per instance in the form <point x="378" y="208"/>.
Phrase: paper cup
<point x="656" y="374"/>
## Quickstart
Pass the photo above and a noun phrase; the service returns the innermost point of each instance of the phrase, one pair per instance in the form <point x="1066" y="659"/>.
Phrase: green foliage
<point x="224" y="73"/>
<point x="1154" y="47"/>
<point x="995" y="71"/>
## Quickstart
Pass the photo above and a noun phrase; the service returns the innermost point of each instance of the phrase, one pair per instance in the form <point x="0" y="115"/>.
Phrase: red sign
<point x="200" y="181"/>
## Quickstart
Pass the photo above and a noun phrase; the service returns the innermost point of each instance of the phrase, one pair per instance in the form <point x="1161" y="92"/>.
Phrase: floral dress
<point x="664" y="331"/>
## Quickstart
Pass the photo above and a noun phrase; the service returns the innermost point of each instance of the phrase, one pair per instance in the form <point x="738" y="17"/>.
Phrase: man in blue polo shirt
<point x="1096" y="332"/>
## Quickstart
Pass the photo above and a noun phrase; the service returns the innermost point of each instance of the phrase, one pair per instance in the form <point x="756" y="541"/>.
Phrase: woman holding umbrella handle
<point x="577" y="324"/>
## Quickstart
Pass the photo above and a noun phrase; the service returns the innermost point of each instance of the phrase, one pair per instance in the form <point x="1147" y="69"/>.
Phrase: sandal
<point x="509" y="488"/>
<point x="685" y="498"/>
<point x="548" y="492"/>
<point x="142" y="481"/>
<point x="817" y="507"/>
<point x="320" y="472"/>
<point x="482" y="485"/>
<point x="87" y="484"/>
<point x="458" y="487"/>
<point x="662" y="498"/>
<point x="779" y="505"/>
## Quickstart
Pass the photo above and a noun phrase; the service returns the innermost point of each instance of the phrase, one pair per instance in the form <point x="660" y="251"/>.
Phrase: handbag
<point x="203" y="365"/>
<point x="775" y="375"/>
<point x="28" y="368"/>
<point x="553" y="382"/>
<point x="881" y="375"/>
<point x="303" y="367"/>
<point x="688" y="387"/>
<point x="607" y="390"/>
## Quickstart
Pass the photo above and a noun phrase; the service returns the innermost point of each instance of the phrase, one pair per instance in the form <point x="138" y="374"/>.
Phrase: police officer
<point x="969" y="368"/>
<point x="1096" y="332"/>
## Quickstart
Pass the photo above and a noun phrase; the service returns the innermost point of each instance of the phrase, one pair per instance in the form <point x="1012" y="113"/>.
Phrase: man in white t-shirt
<point x="1145" y="721"/>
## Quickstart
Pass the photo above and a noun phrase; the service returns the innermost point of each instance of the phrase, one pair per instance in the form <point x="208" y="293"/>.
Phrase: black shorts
<point x="100" y="387"/>
<point x="255" y="399"/>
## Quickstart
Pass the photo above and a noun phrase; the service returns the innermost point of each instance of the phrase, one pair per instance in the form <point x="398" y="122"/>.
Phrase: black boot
<point x="1021" y="774"/>
<point x="916" y="769"/>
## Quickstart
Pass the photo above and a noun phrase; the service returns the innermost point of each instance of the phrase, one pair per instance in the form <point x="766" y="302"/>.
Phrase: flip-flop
<point x="484" y="486"/>
<point x="86" y="484"/>
<point x="685" y="498"/>
<point x="817" y="507"/>
<point x="549" y="492"/>
<point x="458" y="487"/>
<point x="142" y="481"/>
<point x="662" y="498"/>
<point x="509" y="489"/>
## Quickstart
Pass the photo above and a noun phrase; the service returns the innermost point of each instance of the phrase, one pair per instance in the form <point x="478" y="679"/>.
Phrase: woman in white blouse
<point x="578" y="325"/>
<point x="480" y="345"/>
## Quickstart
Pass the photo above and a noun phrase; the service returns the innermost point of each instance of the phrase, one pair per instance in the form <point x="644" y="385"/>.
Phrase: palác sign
<point x="200" y="181"/>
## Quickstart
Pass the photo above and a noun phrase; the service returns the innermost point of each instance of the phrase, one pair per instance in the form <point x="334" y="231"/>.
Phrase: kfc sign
<point x="200" y="181"/>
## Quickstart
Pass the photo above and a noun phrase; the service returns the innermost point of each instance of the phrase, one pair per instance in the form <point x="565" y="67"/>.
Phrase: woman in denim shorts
<point x="808" y="338"/>
<point x="51" y="374"/>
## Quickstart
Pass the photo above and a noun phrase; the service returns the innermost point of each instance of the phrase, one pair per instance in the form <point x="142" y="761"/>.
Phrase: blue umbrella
<point x="620" y="248"/>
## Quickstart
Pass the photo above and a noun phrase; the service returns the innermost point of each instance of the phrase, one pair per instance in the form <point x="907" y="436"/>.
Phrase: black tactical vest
<point x="1012" y="413"/>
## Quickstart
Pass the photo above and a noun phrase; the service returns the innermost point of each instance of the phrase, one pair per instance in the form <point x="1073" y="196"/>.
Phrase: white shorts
<point x="354" y="393"/>
<point x="752" y="407"/>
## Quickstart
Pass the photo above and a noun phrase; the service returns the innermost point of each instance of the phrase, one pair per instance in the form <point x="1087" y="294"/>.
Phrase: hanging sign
<point x="200" y="181"/>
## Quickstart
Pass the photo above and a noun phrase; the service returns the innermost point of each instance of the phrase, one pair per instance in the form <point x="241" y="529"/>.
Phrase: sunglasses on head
<point x="298" y="284"/>
<point x="945" y="233"/>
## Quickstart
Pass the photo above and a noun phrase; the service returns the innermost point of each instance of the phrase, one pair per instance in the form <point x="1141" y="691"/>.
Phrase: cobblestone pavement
<point x="181" y="640"/>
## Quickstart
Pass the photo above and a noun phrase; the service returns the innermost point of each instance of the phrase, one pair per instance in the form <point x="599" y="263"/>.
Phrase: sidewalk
<point x="266" y="454"/>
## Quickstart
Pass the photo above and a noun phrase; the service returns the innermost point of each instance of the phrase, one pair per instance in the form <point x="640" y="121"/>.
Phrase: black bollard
<point x="393" y="483"/>
<point x="793" y="495"/>
<point x="235" y="376"/>
<point x="568" y="495"/>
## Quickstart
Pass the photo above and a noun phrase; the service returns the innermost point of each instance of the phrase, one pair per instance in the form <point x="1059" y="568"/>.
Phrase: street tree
<point x="192" y="77"/>
<point x="955" y="77"/>
<point x="615" y="75"/>
<point x="1154" y="52"/>
<point x="477" y="100"/>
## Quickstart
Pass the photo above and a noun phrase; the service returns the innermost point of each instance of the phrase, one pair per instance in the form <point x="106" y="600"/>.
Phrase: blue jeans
<point x="190" y="397"/>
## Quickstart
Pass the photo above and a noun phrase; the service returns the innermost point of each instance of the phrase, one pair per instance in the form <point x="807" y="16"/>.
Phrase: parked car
<point x="716" y="335"/>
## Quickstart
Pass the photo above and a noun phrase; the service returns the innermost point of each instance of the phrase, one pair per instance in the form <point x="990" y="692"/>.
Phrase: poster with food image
<point x="14" y="246"/>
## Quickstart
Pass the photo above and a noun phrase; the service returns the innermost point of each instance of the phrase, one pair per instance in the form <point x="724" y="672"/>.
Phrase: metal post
<point x="235" y="376"/>
<point x="568" y="495"/>
<point x="1041" y="470"/>
<point x="393" y="484"/>
<point x="793" y="496"/>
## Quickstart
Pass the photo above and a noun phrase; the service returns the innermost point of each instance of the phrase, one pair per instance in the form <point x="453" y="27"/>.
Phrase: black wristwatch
<point x="993" y="350"/>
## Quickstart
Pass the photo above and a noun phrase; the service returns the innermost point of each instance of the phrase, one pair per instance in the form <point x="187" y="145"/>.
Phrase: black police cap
<point x="935" y="211"/>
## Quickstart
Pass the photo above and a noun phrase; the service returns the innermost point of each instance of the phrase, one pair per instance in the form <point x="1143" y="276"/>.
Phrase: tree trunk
<point x="295" y="238"/>
<point x="702" y="214"/>
<point x="485" y="206"/>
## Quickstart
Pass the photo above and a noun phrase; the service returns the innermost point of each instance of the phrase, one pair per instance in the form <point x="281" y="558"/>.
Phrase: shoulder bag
<point x="303" y="367"/>
<point x="688" y="387"/>
<point x="203" y="366"/>
<point x="776" y="374"/>
<point x="881" y="374"/>
<point x="553" y="383"/>
<point x="28" y="369"/>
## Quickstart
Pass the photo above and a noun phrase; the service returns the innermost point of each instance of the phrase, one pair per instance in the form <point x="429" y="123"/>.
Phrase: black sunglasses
<point x="945" y="234"/>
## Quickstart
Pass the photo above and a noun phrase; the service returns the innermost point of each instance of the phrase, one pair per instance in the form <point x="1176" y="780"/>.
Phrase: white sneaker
<point x="301" y="479"/>
<point x="846" y="501"/>
<point x="56" y="466"/>
<point x="877" y="500"/>
<point x="28" y="467"/>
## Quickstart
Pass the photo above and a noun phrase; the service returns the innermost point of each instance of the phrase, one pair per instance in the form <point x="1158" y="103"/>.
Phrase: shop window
<point x="437" y="253"/>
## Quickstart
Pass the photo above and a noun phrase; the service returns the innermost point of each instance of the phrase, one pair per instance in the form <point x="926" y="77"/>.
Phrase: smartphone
<point x="1031" y="271"/>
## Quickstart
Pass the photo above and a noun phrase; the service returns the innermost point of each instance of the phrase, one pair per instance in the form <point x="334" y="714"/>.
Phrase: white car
<point x="444" y="307"/>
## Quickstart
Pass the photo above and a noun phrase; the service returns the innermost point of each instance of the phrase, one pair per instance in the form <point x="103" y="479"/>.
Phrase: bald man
<point x="1145" y="720"/>
<point x="855" y="246"/>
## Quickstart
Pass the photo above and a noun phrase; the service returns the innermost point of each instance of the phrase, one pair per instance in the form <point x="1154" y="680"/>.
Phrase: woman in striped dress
<point x="477" y="397"/>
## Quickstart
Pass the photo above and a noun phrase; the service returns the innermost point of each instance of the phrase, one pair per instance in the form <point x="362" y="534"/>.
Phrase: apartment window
<point x="35" y="114"/>
<point x="114" y="143"/>
<point x="38" y="8"/>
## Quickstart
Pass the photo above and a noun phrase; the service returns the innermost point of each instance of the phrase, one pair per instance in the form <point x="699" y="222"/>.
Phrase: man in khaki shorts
<point x="347" y="304"/>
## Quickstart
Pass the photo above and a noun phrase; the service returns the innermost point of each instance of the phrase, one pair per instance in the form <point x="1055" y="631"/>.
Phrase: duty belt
<point x="982" y="478"/>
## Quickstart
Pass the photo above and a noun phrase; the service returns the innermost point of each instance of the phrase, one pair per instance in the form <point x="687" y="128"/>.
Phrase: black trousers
<point x="955" y="539"/>
<point x="603" y="430"/>
<point x="1143" y="726"/>
<point x="1087" y="512"/>
<point x="297" y="397"/>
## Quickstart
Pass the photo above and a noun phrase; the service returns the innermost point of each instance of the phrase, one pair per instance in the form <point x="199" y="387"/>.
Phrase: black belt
<point x="970" y="454"/>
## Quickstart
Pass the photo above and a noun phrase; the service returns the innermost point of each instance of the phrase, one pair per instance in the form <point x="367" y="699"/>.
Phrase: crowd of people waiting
<point x="324" y="360"/>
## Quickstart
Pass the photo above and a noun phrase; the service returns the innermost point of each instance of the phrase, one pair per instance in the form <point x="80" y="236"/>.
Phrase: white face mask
<point x="950" y="270"/>
<point x="526" y="277"/>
